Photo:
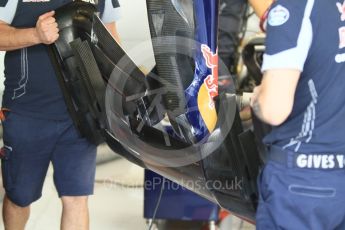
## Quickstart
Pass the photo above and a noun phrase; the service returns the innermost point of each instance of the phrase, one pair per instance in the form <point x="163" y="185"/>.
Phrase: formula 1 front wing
<point x="173" y="120"/>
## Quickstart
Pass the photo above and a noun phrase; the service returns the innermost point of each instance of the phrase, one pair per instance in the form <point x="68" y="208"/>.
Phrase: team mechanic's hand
<point x="255" y="94"/>
<point x="47" y="28"/>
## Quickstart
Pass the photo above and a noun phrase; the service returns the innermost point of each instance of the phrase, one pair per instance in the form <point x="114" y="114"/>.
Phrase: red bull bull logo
<point x="211" y="81"/>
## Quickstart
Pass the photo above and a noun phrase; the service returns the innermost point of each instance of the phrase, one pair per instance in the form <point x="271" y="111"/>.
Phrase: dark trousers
<point x="296" y="198"/>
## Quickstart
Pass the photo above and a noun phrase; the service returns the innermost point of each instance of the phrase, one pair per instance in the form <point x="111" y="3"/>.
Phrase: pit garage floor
<point x="114" y="206"/>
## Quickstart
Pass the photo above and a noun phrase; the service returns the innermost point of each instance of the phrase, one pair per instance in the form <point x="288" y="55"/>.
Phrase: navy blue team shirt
<point x="31" y="86"/>
<point x="309" y="35"/>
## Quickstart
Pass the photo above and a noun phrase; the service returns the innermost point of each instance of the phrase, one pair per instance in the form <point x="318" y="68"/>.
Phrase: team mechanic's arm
<point x="273" y="100"/>
<point x="45" y="32"/>
<point x="260" y="6"/>
<point x="288" y="40"/>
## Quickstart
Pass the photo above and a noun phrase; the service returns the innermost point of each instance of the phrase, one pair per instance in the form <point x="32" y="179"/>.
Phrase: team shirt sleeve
<point x="111" y="12"/>
<point x="8" y="10"/>
<point x="289" y="35"/>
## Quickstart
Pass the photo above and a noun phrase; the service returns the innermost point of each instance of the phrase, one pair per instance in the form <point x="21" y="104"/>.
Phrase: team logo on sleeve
<point x="278" y="16"/>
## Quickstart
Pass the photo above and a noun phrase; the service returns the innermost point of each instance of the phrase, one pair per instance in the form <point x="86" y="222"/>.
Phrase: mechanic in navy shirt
<point x="37" y="126"/>
<point x="302" y="95"/>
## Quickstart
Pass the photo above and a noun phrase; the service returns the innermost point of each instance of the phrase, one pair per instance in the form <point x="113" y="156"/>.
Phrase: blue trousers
<point x="295" y="198"/>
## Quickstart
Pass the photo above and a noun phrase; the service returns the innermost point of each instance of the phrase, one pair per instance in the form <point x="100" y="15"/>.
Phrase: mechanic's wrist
<point x="35" y="36"/>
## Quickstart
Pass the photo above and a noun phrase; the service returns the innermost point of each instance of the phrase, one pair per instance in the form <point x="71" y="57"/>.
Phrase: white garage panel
<point x="134" y="31"/>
